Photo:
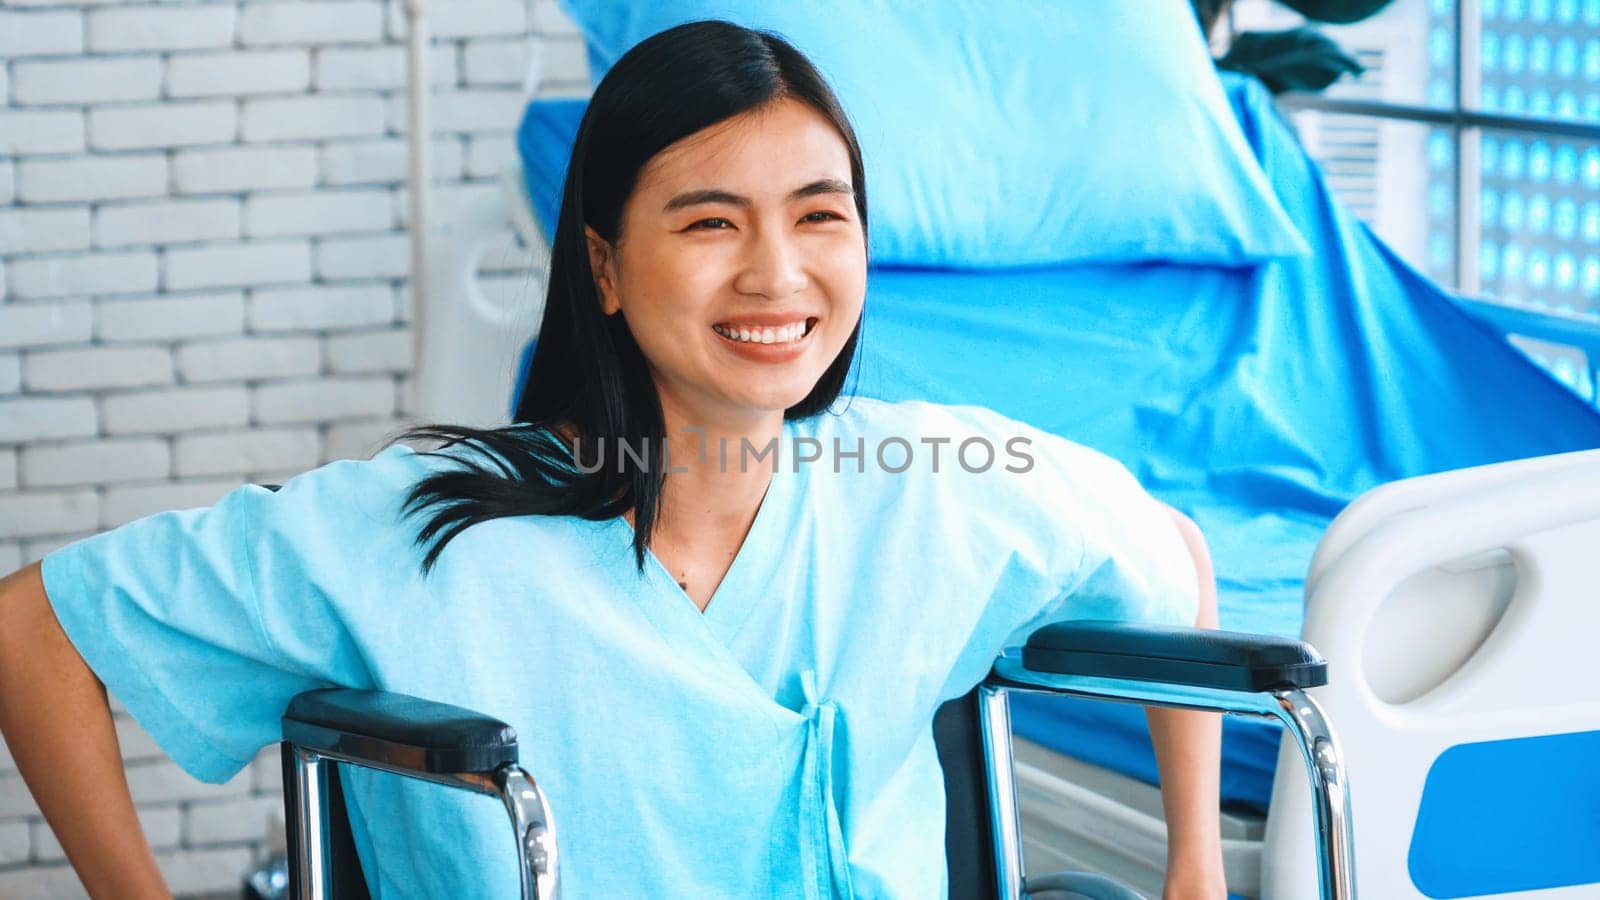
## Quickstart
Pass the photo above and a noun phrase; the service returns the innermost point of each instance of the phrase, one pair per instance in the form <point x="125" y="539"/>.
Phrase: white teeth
<point x="781" y="335"/>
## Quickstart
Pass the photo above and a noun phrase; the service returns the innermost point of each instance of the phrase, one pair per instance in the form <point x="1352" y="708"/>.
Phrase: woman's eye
<point x="712" y="224"/>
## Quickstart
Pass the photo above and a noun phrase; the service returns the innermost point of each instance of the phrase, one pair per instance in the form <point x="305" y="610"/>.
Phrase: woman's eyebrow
<point x="716" y="195"/>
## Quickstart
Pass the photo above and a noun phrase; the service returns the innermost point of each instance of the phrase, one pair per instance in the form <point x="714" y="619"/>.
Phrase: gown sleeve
<point x="1078" y="538"/>
<point x="205" y="622"/>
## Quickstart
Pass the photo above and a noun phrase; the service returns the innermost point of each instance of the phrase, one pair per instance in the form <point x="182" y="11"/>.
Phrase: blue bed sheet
<point x="1260" y="400"/>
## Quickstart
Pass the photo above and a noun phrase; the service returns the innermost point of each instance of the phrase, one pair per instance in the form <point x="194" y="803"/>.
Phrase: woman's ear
<point x="602" y="262"/>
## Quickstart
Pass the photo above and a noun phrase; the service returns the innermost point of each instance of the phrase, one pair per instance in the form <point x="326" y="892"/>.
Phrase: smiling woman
<point x="693" y="221"/>
<point x="722" y="285"/>
<point x="724" y="676"/>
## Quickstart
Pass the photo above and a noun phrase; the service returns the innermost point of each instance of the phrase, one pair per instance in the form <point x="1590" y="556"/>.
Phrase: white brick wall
<point x="210" y="871"/>
<point x="311" y="117"/>
<point x="362" y="68"/>
<point x="96" y="178"/>
<point x="49" y="512"/>
<point x="319" y="212"/>
<point x="311" y="23"/>
<point x="383" y="161"/>
<point x="162" y="125"/>
<point x="233" y="169"/>
<point x="375" y="351"/>
<point x="241" y="358"/>
<point x="233" y="821"/>
<point x="176" y="27"/>
<point x="253" y="72"/>
<point x="86" y="80"/>
<point x="56" y="323"/>
<point x="246" y="452"/>
<point x="469" y="110"/>
<point x="125" y="503"/>
<point x="95" y="462"/>
<point x="40" y="33"/>
<point x="43" y="277"/>
<point x="95" y="367"/>
<point x="10" y="373"/>
<point x="325" y="399"/>
<point x="357" y="440"/>
<point x="15" y="842"/>
<point x="35" y="230"/>
<point x="171" y="410"/>
<point x="26" y="131"/>
<point x="384" y="256"/>
<point x="166" y="222"/>
<point x="314" y="308"/>
<point x="25" y="419"/>
<point x="169" y="317"/>
<point x="238" y="265"/>
<point x="202" y="283"/>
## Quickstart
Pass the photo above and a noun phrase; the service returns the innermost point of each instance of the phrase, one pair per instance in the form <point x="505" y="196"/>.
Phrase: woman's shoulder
<point x="910" y="419"/>
<point x="898" y="443"/>
<point x="376" y="489"/>
<point x="1004" y="454"/>
<point x="391" y="468"/>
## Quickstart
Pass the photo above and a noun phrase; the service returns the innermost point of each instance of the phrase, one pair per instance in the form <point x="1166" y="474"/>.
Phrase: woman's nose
<point x="773" y="268"/>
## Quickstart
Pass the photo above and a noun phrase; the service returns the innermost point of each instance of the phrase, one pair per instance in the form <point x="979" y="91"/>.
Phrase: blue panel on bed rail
<point x="1510" y="815"/>
<point x="1260" y="401"/>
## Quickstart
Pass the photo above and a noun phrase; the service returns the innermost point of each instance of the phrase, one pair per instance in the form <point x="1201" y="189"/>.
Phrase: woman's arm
<point x="1189" y="758"/>
<point x="57" y="724"/>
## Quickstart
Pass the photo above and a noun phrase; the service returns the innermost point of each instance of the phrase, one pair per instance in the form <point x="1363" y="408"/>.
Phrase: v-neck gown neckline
<point x="736" y="596"/>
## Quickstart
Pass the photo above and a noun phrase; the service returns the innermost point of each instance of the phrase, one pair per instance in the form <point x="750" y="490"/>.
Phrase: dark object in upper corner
<point x="1300" y="59"/>
<point x="1337" y="12"/>
<point x="1209" y="12"/>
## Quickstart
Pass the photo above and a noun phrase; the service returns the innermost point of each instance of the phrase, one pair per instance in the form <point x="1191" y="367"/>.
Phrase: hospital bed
<point x="1262" y="400"/>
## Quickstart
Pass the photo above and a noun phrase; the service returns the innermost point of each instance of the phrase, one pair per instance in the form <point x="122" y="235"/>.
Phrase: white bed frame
<point x="1450" y="608"/>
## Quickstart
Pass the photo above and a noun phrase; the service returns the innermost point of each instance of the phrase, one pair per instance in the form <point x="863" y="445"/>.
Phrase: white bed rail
<point x="1451" y="609"/>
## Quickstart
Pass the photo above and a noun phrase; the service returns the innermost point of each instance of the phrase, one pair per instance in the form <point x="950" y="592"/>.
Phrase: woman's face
<point x="741" y="265"/>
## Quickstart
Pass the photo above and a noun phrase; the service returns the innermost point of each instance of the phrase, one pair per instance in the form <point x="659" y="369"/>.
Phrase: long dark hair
<point x="588" y="376"/>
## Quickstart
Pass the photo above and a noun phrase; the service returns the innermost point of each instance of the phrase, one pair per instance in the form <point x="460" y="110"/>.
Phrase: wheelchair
<point x="1186" y="668"/>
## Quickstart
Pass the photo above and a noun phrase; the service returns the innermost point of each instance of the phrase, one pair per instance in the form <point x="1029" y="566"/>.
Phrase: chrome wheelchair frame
<point x="1186" y="668"/>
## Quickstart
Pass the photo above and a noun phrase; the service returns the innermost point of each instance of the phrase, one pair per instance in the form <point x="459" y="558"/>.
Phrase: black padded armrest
<point x="1224" y="660"/>
<point x="399" y="731"/>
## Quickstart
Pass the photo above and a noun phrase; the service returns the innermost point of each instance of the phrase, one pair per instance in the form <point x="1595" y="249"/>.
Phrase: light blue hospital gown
<point x="777" y="745"/>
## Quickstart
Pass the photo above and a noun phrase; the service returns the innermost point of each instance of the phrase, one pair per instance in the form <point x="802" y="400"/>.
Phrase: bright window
<point x="1472" y="145"/>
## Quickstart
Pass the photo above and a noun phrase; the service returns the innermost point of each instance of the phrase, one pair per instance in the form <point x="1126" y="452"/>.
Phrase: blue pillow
<point x="1017" y="132"/>
<point x="544" y="141"/>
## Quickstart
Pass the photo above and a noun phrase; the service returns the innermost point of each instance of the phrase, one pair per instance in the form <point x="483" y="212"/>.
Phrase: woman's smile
<point x="767" y="343"/>
<point x="766" y="332"/>
<point x="764" y="340"/>
<point x="747" y="230"/>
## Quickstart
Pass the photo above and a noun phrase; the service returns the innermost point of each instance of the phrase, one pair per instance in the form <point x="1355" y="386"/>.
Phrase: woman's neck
<point x="716" y="475"/>
<point x="710" y="497"/>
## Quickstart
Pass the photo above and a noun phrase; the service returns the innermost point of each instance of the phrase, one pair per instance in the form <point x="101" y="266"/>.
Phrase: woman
<point x="719" y="608"/>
